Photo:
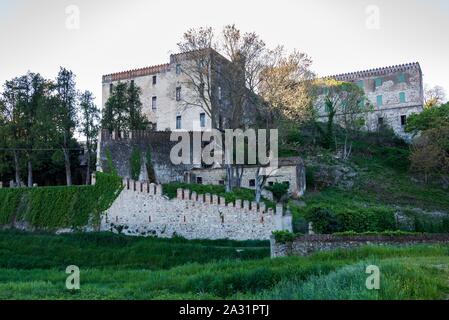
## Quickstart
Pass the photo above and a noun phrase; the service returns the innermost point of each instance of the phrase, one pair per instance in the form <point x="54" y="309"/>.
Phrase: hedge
<point x="59" y="207"/>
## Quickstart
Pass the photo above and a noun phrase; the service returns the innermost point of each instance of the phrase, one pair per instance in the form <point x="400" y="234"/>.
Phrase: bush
<point x="324" y="221"/>
<point x="135" y="163"/>
<point x="59" y="207"/>
<point x="279" y="190"/>
<point x="284" y="236"/>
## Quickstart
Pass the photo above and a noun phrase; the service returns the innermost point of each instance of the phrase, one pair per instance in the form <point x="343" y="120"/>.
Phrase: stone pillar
<point x="93" y="178"/>
<point x="193" y="196"/>
<point x="201" y="198"/>
<point x="114" y="135"/>
<point x="222" y="201"/>
<point x="1" y="184"/>
<point x="311" y="228"/>
<point x="279" y="209"/>
<point x="138" y="185"/>
<point x="186" y="194"/>
<point x="146" y="188"/>
<point x="214" y="199"/>
<point x="254" y="206"/>
<point x="262" y="207"/>
<point x="159" y="190"/>
<point x="152" y="189"/>
<point x="179" y="194"/>
<point x="238" y="203"/>
<point x="246" y="204"/>
<point x="207" y="198"/>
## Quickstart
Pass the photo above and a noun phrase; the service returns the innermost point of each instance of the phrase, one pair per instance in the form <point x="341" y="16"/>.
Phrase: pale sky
<point x="113" y="35"/>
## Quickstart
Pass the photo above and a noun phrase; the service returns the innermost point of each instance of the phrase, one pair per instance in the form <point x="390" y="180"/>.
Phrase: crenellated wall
<point x="142" y="209"/>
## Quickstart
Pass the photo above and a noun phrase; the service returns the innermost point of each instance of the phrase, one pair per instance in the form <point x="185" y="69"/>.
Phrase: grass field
<point x="32" y="266"/>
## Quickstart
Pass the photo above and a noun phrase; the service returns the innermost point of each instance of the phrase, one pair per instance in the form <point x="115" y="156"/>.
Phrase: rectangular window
<point x="401" y="78"/>
<point x="199" y="180"/>
<point x="380" y="121"/>
<point x="379" y="101"/>
<point x="221" y="182"/>
<point x="154" y="80"/>
<point x="378" y="82"/>
<point x="111" y="88"/>
<point x="178" y="122"/>
<point x="178" y="69"/>
<point x="178" y="94"/>
<point x="252" y="182"/>
<point x="154" y="103"/>
<point x="403" y="120"/>
<point x="202" y="120"/>
<point x="402" y="97"/>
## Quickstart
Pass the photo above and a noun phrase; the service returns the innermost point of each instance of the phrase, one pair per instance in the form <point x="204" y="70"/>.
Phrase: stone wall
<point x="121" y="145"/>
<point x="142" y="209"/>
<point x="291" y="170"/>
<point x="392" y="82"/>
<point x="308" y="244"/>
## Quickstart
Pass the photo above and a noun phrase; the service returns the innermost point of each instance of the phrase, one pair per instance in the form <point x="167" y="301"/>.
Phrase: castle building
<point x="395" y="93"/>
<point x="170" y="96"/>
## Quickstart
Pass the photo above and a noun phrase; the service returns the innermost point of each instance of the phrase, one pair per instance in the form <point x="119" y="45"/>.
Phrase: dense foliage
<point x="59" y="207"/>
<point x="149" y="268"/>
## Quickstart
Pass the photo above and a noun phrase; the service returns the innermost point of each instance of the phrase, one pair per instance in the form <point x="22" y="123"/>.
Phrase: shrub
<point x="279" y="190"/>
<point x="284" y="236"/>
<point x="60" y="207"/>
<point x="324" y="221"/>
<point x="135" y="163"/>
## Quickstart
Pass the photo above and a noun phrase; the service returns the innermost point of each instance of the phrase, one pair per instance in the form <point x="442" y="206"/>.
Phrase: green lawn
<point x="32" y="266"/>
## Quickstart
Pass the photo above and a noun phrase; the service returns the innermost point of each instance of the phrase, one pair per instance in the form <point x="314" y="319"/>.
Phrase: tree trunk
<point x="229" y="178"/>
<point x="30" y="174"/>
<point x="88" y="164"/>
<point x="17" y="168"/>
<point x="68" y="172"/>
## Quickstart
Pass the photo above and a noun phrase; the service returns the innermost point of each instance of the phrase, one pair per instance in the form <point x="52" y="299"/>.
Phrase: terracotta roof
<point x="129" y="74"/>
<point x="375" y="72"/>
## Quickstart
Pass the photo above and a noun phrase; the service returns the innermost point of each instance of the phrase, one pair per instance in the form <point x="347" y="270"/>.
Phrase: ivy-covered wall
<point x="59" y="207"/>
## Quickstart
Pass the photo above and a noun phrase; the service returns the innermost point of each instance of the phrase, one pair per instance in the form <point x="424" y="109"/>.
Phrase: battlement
<point x="375" y="72"/>
<point x="207" y="199"/>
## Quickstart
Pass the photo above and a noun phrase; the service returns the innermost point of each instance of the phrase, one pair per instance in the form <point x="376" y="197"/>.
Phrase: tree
<point x="435" y="117"/>
<point x="231" y="73"/>
<point x="66" y="114"/>
<point x="430" y="150"/>
<point x="434" y="96"/>
<point x="137" y="121"/>
<point x="24" y="100"/>
<point x="343" y="103"/>
<point x="123" y="110"/>
<point x="89" y="127"/>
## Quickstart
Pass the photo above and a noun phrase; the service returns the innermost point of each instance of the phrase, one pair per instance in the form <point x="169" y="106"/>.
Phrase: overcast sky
<point x="340" y="35"/>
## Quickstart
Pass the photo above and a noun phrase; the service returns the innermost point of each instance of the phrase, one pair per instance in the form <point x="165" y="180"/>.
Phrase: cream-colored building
<point x="394" y="92"/>
<point x="169" y="100"/>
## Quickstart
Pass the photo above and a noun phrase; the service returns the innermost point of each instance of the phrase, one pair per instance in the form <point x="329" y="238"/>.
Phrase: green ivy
<point x="110" y="168"/>
<point x="135" y="163"/>
<point x="59" y="207"/>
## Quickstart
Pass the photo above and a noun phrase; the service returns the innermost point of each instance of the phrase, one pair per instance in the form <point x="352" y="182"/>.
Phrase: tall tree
<point x="137" y="121"/>
<point x="123" y="110"/>
<point x="88" y="127"/>
<point x="344" y="104"/>
<point x="66" y="114"/>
